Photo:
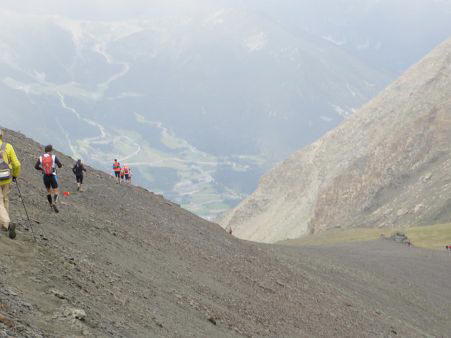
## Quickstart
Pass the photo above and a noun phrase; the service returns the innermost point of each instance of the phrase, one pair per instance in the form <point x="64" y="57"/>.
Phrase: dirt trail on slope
<point x="121" y="261"/>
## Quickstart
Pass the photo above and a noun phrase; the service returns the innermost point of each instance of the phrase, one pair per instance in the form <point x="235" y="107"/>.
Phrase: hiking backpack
<point x="5" y="171"/>
<point x="47" y="164"/>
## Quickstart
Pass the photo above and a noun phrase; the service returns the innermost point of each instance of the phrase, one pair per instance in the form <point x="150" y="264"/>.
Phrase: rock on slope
<point x="121" y="261"/>
<point x="388" y="164"/>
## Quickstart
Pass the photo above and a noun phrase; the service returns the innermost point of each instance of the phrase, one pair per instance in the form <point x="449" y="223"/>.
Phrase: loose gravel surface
<point x="121" y="261"/>
<point x="407" y="283"/>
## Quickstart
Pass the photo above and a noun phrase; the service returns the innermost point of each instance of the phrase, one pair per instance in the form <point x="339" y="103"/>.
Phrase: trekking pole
<point x="25" y="208"/>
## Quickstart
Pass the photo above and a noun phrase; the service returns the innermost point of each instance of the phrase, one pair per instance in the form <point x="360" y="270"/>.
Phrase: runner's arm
<point x="13" y="160"/>
<point x="58" y="163"/>
<point x="37" y="166"/>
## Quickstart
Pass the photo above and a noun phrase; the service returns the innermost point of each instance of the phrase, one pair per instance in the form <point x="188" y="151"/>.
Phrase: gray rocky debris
<point x="167" y="271"/>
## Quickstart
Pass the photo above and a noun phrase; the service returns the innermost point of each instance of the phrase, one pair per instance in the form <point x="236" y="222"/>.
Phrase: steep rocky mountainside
<point x="121" y="261"/>
<point x="389" y="164"/>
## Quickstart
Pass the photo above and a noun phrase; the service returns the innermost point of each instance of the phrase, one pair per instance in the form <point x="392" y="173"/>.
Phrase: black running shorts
<point x="50" y="181"/>
<point x="79" y="179"/>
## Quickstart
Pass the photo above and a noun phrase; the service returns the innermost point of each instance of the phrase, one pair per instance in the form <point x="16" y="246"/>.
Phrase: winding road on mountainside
<point x="195" y="168"/>
<point x="100" y="47"/>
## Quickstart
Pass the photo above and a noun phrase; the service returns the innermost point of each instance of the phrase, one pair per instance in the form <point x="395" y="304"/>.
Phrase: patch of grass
<point x="336" y="236"/>
<point x="430" y="237"/>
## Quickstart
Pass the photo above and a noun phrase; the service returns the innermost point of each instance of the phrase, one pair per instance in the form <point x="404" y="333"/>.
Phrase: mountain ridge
<point x="401" y="140"/>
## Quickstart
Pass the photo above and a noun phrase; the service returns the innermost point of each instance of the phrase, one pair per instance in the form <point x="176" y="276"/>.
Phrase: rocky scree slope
<point x="120" y="261"/>
<point x="389" y="164"/>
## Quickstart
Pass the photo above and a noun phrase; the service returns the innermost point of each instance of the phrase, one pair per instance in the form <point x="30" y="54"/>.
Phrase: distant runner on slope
<point x="78" y="171"/>
<point x="47" y="164"/>
<point x="122" y="174"/>
<point x="127" y="174"/>
<point x="9" y="171"/>
<point x="117" y="170"/>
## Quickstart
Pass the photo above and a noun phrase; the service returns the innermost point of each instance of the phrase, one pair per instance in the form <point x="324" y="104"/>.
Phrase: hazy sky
<point x="319" y="12"/>
<point x="112" y="9"/>
<point x="409" y="28"/>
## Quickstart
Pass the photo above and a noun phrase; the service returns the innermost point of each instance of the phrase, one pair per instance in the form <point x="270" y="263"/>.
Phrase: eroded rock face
<point x="388" y="164"/>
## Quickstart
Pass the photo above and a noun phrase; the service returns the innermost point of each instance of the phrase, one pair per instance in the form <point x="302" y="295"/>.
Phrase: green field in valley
<point x="430" y="237"/>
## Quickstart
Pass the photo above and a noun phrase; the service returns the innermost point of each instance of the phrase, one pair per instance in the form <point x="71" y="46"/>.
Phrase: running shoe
<point x="12" y="231"/>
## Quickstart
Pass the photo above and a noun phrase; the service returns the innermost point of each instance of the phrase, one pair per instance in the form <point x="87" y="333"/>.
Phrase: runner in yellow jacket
<point x="9" y="157"/>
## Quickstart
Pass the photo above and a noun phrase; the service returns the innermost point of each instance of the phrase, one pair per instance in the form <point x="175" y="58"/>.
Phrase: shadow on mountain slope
<point x="122" y="261"/>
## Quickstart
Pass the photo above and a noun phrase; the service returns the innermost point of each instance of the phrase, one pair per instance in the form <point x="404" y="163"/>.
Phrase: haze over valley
<point x="201" y="98"/>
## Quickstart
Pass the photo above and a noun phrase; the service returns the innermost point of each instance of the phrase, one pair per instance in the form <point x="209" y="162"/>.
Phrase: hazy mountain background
<point x="387" y="166"/>
<point x="201" y="97"/>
